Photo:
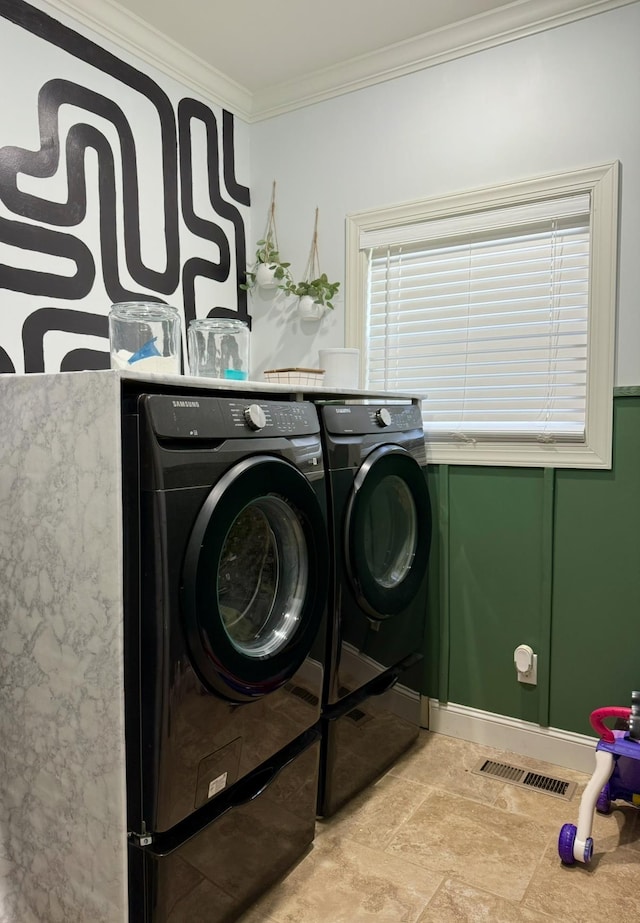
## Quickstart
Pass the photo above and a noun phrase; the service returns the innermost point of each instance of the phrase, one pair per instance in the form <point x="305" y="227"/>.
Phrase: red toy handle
<point x="597" y="720"/>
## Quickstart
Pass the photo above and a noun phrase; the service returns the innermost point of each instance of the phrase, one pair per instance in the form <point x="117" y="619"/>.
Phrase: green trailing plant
<point x="268" y="253"/>
<point x="321" y="290"/>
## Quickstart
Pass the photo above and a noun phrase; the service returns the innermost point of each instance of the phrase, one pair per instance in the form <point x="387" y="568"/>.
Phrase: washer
<point x="380" y="527"/>
<point x="225" y="621"/>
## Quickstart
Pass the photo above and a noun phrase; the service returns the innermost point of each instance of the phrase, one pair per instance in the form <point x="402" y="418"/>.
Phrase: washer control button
<point x="254" y="416"/>
<point x="383" y="417"/>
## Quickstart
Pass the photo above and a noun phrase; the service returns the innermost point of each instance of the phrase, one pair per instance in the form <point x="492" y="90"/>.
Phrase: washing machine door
<point x="387" y="531"/>
<point x="254" y="578"/>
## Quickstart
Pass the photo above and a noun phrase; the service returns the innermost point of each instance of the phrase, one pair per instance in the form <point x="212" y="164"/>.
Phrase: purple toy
<point x="616" y="776"/>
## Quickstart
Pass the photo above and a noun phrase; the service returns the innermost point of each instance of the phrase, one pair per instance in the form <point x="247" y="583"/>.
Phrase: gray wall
<point x="552" y="102"/>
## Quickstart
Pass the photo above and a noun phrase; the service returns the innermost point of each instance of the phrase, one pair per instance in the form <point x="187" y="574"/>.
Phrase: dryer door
<point x="387" y="531"/>
<point x="254" y="578"/>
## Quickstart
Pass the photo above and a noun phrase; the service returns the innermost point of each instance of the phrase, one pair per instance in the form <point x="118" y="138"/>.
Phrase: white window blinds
<point x="487" y="312"/>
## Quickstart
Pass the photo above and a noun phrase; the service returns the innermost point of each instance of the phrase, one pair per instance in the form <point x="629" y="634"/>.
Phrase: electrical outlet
<point x="526" y="664"/>
<point x="531" y="676"/>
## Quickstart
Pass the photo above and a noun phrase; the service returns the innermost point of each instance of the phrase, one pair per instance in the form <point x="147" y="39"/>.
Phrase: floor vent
<point x="301" y="693"/>
<point x="526" y="778"/>
<point x="357" y="715"/>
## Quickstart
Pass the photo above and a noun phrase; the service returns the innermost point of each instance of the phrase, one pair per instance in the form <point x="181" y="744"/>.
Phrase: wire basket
<point x="295" y="376"/>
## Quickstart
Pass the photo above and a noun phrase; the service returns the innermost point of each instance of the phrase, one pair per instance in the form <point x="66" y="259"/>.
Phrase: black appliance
<point x="380" y="529"/>
<point x="226" y="557"/>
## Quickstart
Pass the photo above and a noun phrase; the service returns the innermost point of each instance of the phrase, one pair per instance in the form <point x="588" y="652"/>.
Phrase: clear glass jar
<point x="144" y="336"/>
<point x="219" y="348"/>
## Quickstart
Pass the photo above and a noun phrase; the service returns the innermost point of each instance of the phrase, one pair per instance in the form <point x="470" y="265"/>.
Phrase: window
<point x="499" y="306"/>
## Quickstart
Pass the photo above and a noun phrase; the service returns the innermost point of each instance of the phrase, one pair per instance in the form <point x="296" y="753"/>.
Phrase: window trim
<point x="602" y="183"/>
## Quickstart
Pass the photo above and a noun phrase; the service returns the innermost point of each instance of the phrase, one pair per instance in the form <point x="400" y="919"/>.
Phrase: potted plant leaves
<point x="315" y="292"/>
<point x="314" y="296"/>
<point x="269" y="270"/>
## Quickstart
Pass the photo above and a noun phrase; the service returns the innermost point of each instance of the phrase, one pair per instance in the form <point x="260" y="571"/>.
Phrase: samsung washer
<point x="226" y="554"/>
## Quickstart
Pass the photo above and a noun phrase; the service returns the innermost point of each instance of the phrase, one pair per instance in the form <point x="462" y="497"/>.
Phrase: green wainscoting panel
<point x="540" y="557"/>
<point x="496" y="575"/>
<point x="437" y="606"/>
<point x="546" y="595"/>
<point x="596" y="586"/>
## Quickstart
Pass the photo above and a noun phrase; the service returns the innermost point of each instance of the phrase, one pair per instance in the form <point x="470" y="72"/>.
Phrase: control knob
<point x="254" y="416"/>
<point x="383" y="417"/>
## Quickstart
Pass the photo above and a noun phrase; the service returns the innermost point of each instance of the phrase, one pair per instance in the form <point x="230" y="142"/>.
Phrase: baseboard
<point x="552" y="745"/>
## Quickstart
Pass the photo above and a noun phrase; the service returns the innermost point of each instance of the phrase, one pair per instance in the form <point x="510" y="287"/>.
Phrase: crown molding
<point x="508" y="23"/>
<point x="511" y="22"/>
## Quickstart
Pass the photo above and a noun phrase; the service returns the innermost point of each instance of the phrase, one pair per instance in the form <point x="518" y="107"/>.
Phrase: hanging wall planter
<point x="268" y="271"/>
<point x="265" y="275"/>
<point x="310" y="309"/>
<point x="315" y="292"/>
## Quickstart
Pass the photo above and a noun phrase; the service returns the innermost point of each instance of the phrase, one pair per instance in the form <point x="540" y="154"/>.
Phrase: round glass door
<point x="263" y="577"/>
<point x="389" y="551"/>
<point x="254" y="578"/>
<point x="387" y="531"/>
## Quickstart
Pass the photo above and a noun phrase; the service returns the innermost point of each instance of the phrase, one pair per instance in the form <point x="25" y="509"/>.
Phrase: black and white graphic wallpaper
<point x="115" y="185"/>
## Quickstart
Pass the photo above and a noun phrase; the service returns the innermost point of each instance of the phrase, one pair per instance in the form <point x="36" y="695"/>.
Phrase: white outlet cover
<point x="531" y="677"/>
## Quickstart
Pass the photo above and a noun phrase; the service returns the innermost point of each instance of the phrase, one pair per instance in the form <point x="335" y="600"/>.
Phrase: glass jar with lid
<point x="144" y="336"/>
<point x="219" y="348"/>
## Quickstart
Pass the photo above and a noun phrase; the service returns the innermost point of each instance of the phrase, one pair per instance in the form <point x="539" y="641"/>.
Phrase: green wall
<point x="540" y="557"/>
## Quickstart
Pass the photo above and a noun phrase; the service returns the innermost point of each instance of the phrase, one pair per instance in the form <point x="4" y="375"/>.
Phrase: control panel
<point x="361" y="419"/>
<point x="205" y="417"/>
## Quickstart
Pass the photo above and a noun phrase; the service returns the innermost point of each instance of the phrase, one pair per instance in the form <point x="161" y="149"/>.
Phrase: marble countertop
<point x="313" y="392"/>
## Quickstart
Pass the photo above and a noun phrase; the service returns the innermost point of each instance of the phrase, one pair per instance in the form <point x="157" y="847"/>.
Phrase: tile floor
<point x="431" y="842"/>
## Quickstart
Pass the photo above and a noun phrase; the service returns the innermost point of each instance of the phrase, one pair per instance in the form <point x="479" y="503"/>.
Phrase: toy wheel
<point x="565" y="843"/>
<point x="603" y="804"/>
<point x="588" y="850"/>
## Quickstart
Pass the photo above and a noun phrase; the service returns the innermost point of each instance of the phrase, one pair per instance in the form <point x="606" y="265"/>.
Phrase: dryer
<point x="380" y="529"/>
<point x="226" y="553"/>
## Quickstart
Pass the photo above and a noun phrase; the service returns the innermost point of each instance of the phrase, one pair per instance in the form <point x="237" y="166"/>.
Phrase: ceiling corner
<point x="126" y="30"/>
<point x="505" y="23"/>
